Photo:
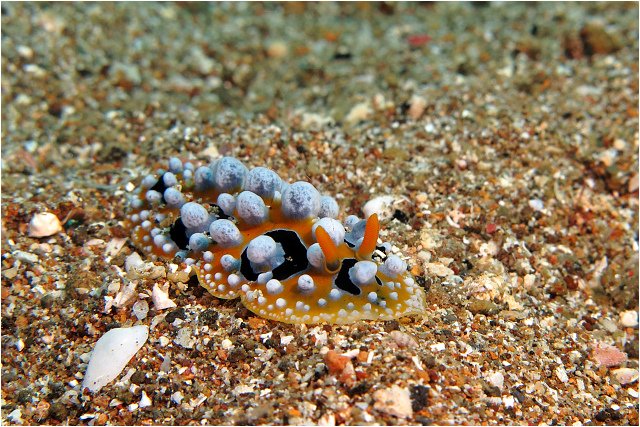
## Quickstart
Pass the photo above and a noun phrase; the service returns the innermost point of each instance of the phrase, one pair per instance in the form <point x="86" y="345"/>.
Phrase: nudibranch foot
<point x="277" y="246"/>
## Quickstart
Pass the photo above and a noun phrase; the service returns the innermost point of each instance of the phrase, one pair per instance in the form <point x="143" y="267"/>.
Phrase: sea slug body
<point x="277" y="246"/>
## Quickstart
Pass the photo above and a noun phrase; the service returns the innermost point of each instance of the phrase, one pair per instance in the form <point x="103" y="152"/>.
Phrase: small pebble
<point x="394" y="401"/>
<point x="536" y="204"/>
<point x="496" y="379"/>
<point x="277" y="49"/>
<point x="341" y="367"/>
<point x="403" y="340"/>
<point x="44" y="224"/>
<point x="15" y="416"/>
<point x="561" y="373"/>
<point x="625" y="375"/>
<point x="27" y="257"/>
<point x="485" y="307"/>
<point x="417" y="105"/>
<point x="185" y="338"/>
<point x="145" y="401"/>
<point x="358" y="113"/>
<point x="629" y="319"/>
<point x="177" y="398"/>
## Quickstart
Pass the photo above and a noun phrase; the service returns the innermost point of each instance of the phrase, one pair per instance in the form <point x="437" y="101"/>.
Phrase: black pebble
<point x="359" y="389"/>
<point x="138" y="377"/>
<point x="175" y="314"/>
<point x="401" y="216"/>
<point x="419" y="397"/>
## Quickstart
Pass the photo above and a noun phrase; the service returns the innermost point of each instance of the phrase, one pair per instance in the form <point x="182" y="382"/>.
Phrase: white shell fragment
<point x="44" y="224"/>
<point x="381" y="205"/>
<point x="111" y="354"/>
<point x="140" y="309"/>
<point x="160" y="298"/>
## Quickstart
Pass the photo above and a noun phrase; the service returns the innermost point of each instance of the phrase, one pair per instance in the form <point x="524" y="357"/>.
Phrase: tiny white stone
<point x="438" y="346"/>
<point x="561" y="373"/>
<point x="536" y="204"/>
<point x="111" y="354"/>
<point x="44" y="224"/>
<point x="281" y="302"/>
<point x="144" y="401"/>
<point x="286" y="340"/>
<point x="496" y="379"/>
<point x="322" y="302"/>
<point x="335" y="294"/>
<point x="177" y="397"/>
<point x="625" y="375"/>
<point x="508" y="401"/>
<point x="629" y="319"/>
<point x="15" y="416"/>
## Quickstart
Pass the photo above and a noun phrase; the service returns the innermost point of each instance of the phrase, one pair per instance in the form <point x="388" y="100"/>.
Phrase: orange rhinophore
<point x="329" y="249"/>
<point x="370" y="239"/>
<point x="277" y="246"/>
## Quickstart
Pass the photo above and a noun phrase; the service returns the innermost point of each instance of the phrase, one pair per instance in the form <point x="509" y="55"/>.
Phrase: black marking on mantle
<point x="178" y="233"/>
<point x="343" y="281"/>
<point x="160" y="187"/>
<point x="295" y="256"/>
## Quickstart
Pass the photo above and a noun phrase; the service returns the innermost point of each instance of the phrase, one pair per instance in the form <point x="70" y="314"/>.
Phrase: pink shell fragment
<point x="608" y="355"/>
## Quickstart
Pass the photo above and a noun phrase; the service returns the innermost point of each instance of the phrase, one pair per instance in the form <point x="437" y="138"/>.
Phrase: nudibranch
<point x="277" y="246"/>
